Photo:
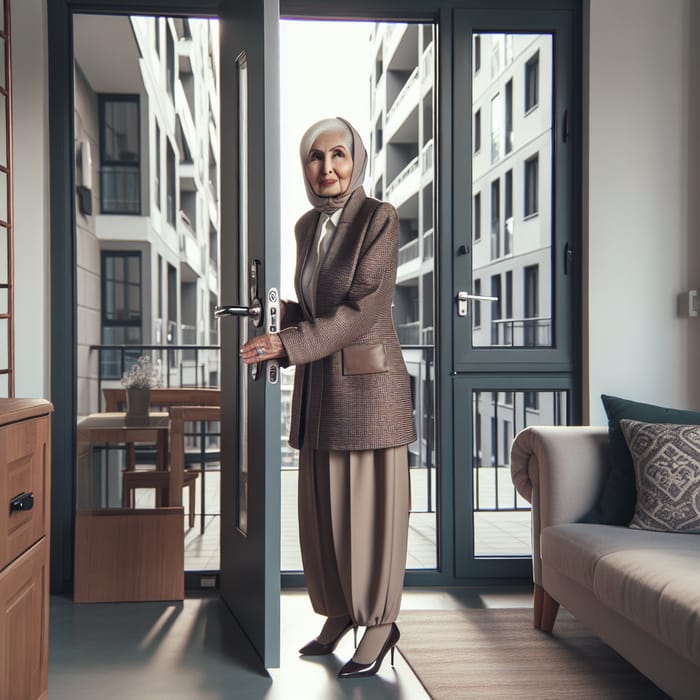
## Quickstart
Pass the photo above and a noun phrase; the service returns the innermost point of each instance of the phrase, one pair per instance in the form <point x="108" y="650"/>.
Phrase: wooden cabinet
<point x="24" y="547"/>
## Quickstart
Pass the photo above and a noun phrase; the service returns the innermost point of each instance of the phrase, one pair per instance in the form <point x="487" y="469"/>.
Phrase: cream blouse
<point x="322" y="240"/>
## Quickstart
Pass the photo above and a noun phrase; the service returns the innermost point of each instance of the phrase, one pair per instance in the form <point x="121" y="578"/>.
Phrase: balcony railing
<point x="522" y="332"/>
<point x="428" y="156"/>
<point x="428" y="245"/>
<point x="402" y="94"/>
<point x="428" y="62"/>
<point x="409" y="251"/>
<point x="409" y="333"/>
<point x="411" y="167"/>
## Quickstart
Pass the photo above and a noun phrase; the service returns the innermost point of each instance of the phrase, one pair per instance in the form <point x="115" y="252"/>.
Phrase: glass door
<point x="513" y="296"/>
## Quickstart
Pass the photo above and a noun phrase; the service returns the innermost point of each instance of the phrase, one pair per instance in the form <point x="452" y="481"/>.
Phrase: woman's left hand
<point x="261" y="348"/>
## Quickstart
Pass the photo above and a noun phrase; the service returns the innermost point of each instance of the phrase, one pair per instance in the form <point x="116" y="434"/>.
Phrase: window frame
<point x="106" y="163"/>
<point x="531" y="93"/>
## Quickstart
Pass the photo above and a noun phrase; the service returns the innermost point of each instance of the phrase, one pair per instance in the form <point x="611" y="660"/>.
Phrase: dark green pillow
<point x="617" y="501"/>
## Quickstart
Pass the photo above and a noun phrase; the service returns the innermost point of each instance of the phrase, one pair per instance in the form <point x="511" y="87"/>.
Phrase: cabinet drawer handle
<point x="25" y="501"/>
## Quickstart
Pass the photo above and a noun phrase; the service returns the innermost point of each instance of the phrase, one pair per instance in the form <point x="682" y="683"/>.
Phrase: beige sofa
<point x="639" y="591"/>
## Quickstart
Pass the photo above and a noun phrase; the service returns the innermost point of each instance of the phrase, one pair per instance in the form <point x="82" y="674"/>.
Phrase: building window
<point x="532" y="400"/>
<point x="531" y="182"/>
<point x="477" y="131"/>
<point x="496" y="309"/>
<point x="508" y="213"/>
<point x="156" y="170"/>
<point x="169" y="61"/>
<point x="495" y="219"/>
<point x="120" y="154"/>
<point x="476" y="309"/>
<point x="532" y="82"/>
<point x="496" y="127"/>
<point x="509" y="116"/>
<point x="477" y="216"/>
<point x="496" y="54"/>
<point x="531" y="305"/>
<point x="171" y="203"/>
<point x="156" y="26"/>
<point x="477" y="53"/>
<point x="121" y="309"/>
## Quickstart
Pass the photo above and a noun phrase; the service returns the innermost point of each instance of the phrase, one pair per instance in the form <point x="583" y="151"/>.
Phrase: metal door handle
<point x="253" y="311"/>
<point x="463" y="297"/>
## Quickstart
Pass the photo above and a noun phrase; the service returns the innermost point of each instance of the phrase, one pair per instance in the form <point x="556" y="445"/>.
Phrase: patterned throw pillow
<point x="667" y="472"/>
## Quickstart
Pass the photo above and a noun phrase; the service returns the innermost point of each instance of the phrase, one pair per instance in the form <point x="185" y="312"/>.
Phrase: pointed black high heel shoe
<point x="316" y="648"/>
<point x="354" y="670"/>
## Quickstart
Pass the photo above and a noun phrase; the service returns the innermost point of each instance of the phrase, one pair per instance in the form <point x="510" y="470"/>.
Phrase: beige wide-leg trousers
<point x="353" y="528"/>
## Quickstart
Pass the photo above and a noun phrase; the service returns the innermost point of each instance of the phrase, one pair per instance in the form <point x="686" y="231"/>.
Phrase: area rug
<point x="496" y="653"/>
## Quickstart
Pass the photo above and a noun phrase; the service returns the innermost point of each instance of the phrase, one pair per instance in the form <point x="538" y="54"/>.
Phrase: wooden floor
<point x="195" y="651"/>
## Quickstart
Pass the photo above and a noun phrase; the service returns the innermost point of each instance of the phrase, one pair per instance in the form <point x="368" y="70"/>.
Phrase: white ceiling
<point x="105" y="48"/>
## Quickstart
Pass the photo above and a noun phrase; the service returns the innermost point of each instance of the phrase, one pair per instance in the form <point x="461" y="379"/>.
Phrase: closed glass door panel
<point x="512" y="95"/>
<point x="501" y="515"/>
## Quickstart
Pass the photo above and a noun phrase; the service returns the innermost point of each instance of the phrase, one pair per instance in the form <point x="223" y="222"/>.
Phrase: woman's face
<point x="328" y="166"/>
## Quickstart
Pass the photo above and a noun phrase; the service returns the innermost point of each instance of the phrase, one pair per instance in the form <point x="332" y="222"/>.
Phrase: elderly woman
<point x="351" y="410"/>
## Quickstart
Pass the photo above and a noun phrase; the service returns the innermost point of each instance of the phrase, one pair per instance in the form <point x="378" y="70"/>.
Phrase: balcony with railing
<point x="190" y="251"/>
<point x="405" y="101"/>
<point x="409" y="333"/>
<point x="533" y="332"/>
<point x="427" y="158"/>
<point x="428" y="245"/>
<point x="428" y="67"/>
<point x="405" y="184"/>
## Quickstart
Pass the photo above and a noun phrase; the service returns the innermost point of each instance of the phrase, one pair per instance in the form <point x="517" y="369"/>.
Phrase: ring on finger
<point x="259" y="351"/>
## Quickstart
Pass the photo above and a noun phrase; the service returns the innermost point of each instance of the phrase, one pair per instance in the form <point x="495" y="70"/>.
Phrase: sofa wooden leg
<point x="537" y="605"/>
<point x="550" y="608"/>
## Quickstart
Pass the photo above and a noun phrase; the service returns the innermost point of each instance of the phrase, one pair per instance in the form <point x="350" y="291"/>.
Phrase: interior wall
<point x="641" y="188"/>
<point x="641" y="209"/>
<point x="31" y="196"/>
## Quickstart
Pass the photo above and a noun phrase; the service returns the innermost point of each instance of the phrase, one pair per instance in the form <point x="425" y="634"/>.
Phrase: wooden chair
<point x="182" y="404"/>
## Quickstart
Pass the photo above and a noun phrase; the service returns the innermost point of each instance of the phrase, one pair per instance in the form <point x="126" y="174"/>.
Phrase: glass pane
<point x="3" y="63"/>
<point x="4" y="339"/>
<point x="242" y="476"/>
<point x="3" y="196"/>
<point x="501" y="515"/>
<point x="512" y="186"/>
<point x="394" y="112"/>
<point x="121" y="131"/>
<point x="4" y="256"/>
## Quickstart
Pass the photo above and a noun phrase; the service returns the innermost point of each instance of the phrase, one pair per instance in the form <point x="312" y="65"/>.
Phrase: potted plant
<point x="138" y="381"/>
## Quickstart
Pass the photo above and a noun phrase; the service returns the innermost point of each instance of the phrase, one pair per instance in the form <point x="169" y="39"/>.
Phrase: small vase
<point x="137" y="400"/>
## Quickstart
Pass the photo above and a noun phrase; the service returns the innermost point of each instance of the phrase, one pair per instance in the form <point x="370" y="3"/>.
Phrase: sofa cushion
<point x="649" y="577"/>
<point x="667" y="474"/>
<point x="574" y="549"/>
<point x="617" y="500"/>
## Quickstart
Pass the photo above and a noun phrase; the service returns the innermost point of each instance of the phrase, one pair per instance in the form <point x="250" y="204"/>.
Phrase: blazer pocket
<point x="364" y="359"/>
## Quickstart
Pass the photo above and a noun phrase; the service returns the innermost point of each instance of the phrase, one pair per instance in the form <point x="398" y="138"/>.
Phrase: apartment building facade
<point x="147" y="197"/>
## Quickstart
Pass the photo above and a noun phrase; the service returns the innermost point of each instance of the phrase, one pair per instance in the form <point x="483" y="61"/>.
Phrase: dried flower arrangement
<point x="143" y="374"/>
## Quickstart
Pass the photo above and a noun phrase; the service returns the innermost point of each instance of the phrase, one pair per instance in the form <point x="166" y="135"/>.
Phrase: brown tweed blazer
<point x="351" y="389"/>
